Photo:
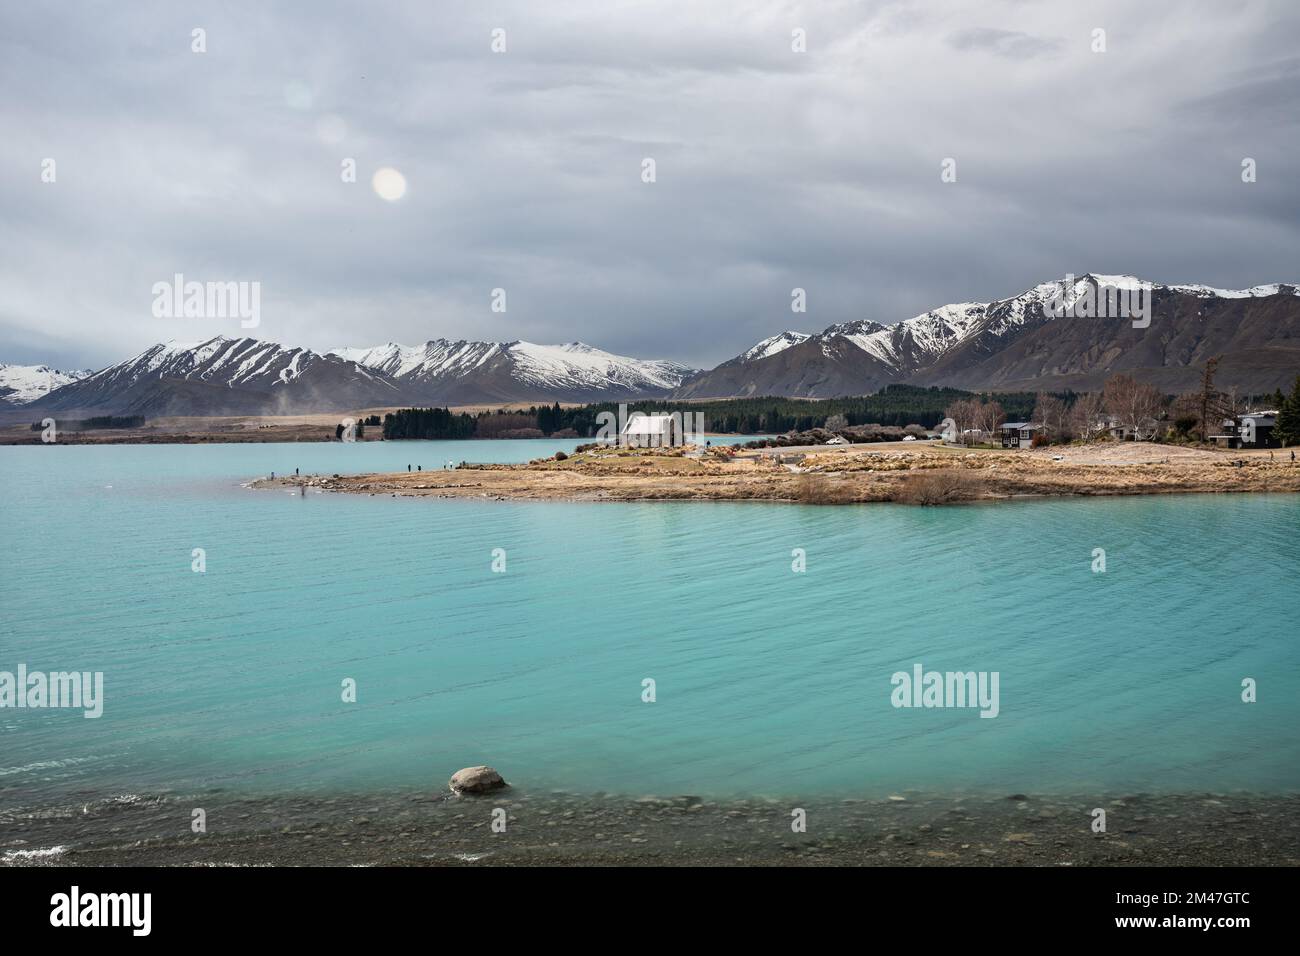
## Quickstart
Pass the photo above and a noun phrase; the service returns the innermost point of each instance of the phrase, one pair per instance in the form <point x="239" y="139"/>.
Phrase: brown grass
<point x="918" y="476"/>
<point x="817" y="489"/>
<point x="939" y="487"/>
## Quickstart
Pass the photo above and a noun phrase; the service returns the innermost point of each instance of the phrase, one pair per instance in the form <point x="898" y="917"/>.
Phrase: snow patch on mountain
<point x="1207" y="292"/>
<point x="921" y="336"/>
<point x="20" y="384"/>
<point x="915" y="342"/>
<point x="572" y="366"/>
<point x="577" y="365"/>
<point x="233" y="363"/>
<point x="775" y="343"/>
<point x="432" y="360"/>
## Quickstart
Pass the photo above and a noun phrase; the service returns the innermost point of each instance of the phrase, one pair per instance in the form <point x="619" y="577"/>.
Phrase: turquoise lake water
<point x="767" y="681"/>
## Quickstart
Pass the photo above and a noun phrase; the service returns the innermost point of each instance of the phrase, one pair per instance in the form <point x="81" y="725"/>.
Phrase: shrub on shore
<point x="817" y="489"/>
<point x="938" y="487"/>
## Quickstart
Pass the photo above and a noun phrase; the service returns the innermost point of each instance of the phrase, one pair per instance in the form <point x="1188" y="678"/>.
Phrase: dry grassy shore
<point x="899" y="472"/>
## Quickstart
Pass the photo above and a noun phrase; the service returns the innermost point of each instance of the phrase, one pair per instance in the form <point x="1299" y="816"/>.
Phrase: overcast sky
<point x="775" y="169"/>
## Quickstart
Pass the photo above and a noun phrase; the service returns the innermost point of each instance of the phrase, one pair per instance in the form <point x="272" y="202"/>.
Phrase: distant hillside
<point x="222" y="376"/>
<point x="474" y="372"/>
<point x="1013" y="345"/>
<point x="1010" y="345"/>
<point x="245" y="376"/>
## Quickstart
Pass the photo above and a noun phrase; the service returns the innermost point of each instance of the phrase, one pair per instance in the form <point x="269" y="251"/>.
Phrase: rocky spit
<point x="847" y="475"/>
<point x="440" y="828"/>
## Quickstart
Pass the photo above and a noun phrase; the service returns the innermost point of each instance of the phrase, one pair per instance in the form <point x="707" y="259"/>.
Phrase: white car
<point x="909" y="438"/>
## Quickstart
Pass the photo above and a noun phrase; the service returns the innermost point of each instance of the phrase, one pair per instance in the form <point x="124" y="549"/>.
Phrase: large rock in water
<point x="476" y="780"/>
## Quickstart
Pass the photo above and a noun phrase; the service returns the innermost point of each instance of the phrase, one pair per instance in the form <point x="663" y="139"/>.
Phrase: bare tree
<point x="963" y="413"/>
<point x="989" y="416"/>
<point x="1053" y="415"/>
<point x="837" y="423"/>
<point x="1086" y="417"/>
<point x="1133" y="404"/>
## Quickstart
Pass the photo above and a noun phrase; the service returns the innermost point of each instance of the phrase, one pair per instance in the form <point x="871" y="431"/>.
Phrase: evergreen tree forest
<point x="894" y="405"/>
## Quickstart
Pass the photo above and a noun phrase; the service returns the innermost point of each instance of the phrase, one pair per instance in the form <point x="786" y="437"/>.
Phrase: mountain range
<point x="475" y="372"/>
<point x="246" y="376"/>
<point x="1015" y="344"/>
<point x="1012" y="344"/>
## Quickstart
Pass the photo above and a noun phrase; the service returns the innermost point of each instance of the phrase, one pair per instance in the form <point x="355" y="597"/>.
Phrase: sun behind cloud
<point x="388" y="184"/>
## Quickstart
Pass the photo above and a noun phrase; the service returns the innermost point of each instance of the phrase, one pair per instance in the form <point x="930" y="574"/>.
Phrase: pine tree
<point x="1287" y="429"/>
<point x="1208" y="397"/>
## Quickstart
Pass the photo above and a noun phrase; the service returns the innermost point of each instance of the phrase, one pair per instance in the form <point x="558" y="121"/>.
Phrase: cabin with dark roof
<point x="1018" y="434"/>
<point x="1251" y="430"/>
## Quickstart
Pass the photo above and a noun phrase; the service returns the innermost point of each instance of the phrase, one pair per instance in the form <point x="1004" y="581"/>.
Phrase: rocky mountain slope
<point x="223" y="376"/>
<point x="463" y="372"/>
<point x="1020" y="343"/>
<point x="245" y="376"/>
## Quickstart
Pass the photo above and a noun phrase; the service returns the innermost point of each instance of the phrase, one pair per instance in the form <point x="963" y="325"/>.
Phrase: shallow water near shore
<point x="766" y="681"/>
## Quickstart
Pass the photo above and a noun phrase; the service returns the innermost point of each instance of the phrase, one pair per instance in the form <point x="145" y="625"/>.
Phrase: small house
<point x="1018" y="434"/>
<point x="1146" y="430"/>
<point x="1251" y="430"/>
<point x="653" y="431"/>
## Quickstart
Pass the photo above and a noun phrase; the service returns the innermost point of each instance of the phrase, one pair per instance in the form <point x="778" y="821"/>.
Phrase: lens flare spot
<point x="388" y="184"/>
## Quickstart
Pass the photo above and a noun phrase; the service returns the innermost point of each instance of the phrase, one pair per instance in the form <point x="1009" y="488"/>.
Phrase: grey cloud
<point x="775" y="169"/>
<point x="1008" y="43"/>
<point x="1265" y="93"/>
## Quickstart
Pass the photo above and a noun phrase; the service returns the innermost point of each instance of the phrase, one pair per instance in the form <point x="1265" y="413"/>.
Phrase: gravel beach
<point x="440" y="829"/>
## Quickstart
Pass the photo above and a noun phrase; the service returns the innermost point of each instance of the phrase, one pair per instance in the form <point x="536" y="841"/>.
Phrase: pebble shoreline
<point x="441" y="829"/>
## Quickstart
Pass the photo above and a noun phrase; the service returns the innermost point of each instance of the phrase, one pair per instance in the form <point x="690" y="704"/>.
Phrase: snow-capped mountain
<point x="1017" y="343"/>
<point x="774" y="344"/>
<point x="20" y="384"/>
<point x="245" y="376"/>
<point x="432" y="360"/>
<point x="1013" y="344"/>
<point x="223" y="376"/>
<point x="462" y="372"/>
